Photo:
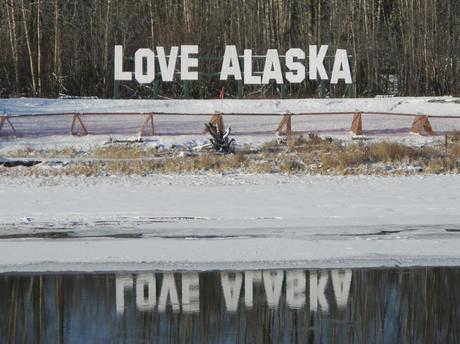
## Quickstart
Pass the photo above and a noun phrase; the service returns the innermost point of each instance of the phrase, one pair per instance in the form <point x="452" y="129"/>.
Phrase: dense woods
<point x="403" y="47"/>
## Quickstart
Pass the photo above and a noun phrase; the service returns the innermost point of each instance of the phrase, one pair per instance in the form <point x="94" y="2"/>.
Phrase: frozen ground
<point x="228" y="222"/>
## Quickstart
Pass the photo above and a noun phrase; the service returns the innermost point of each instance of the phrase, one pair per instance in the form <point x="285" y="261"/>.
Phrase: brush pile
<point x="220" y="138"/>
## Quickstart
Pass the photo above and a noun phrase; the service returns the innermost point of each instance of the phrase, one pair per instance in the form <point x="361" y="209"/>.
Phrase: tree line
<point x="401" y="47"/>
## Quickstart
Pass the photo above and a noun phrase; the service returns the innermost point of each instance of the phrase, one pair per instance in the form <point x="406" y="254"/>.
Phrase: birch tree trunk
<point x="29" y="48"/>
<point x="39" y="53"/>
<point x="11" y="17"/>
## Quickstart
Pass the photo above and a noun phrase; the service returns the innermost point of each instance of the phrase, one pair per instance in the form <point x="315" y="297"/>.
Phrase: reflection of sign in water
<point x="144" y="286"/>
<point x="146" y="292"/>
<point x="296" y="287"/>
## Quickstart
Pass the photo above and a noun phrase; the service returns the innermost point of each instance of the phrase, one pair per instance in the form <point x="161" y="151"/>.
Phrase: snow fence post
<point x="422" y="125"/>
<point x="285" y="125"/>
<point x="218" y="119"/>
<point x="4" y="118"/>
<point x="2" y="121"/>
<point x="148" y="120"/>
<point x="83" y="131"/>
<point x="357" y="124"/>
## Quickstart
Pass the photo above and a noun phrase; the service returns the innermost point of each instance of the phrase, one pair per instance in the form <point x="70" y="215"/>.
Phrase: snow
<point x="428" y="105"/>
<point x="229" y="222"/>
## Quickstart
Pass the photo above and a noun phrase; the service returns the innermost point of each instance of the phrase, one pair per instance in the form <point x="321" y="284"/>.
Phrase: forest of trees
<point x="405" y="47"/>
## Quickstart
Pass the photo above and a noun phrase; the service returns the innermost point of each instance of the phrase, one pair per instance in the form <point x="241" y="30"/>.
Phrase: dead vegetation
<point x="299" y="155"/>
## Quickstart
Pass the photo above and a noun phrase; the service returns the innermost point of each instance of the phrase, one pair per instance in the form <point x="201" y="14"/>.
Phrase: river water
<point x="416" y="305"/>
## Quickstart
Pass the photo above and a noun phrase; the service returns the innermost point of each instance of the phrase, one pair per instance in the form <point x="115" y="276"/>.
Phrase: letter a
<point x="230" y="64"/>
<point x="341" y="69"/>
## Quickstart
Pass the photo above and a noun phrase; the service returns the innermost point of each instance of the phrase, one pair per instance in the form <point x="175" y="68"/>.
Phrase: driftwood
<point x="220" y="138"/>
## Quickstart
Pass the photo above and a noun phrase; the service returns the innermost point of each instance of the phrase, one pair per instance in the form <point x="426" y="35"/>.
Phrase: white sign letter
<point x="341" y="69"/>
<point x="296" y="73"/>
<point x="118" y="62"/>
<point x="248" y="77"/>
<point x="230" y="64"/>
<point x="167" y="69"/>
<point x="187" y="62"/>
<point x="149" y="75"/>
<point x="272" y="68"/>
<point x="317" y="62"/>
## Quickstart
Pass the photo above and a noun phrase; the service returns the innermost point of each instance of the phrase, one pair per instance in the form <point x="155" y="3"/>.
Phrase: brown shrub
<point x="390" y="151"/>
<point x="122" y="152"/>
<point x="261" y="167"/>
<point x="436" y="166"/>
<point x="454" y="154"/>
<point x="353" y="155"/>
<point x="291" y="165"/>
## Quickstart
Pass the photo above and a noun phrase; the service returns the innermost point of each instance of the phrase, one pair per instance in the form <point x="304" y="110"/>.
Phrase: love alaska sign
<point x="295" y="63"/>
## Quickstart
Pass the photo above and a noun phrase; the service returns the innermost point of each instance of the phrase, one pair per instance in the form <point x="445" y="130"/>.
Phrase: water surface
<point x="420" y="305"/>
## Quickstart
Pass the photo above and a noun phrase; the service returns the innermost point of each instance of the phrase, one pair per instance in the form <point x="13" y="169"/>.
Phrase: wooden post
<point x="422" y="125"/>
<point x="218" y="119"/>
<point x="4" y="119"/>
<point x="83" y="131"/>
<point x="147" y="123"/>
<point x="357" y="124"/>
<point x="285" y="127"/>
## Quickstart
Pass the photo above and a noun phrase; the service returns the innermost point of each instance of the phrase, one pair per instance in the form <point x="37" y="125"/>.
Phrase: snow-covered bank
<point x="233" y="221"/>
<point x="428" y="105"/>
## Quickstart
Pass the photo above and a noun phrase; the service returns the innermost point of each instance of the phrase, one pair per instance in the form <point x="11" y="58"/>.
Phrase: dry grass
<point x="299" y="155"/>
<point x="67" y="153"/>
<point x="122" y="152"/>
<point x="454" y="154"/>
<point x="390" y="151"/>
<point x="455" y="136"/>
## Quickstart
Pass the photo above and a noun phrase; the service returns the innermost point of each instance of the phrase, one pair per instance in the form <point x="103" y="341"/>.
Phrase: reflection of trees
<point x="419" y="305"/>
